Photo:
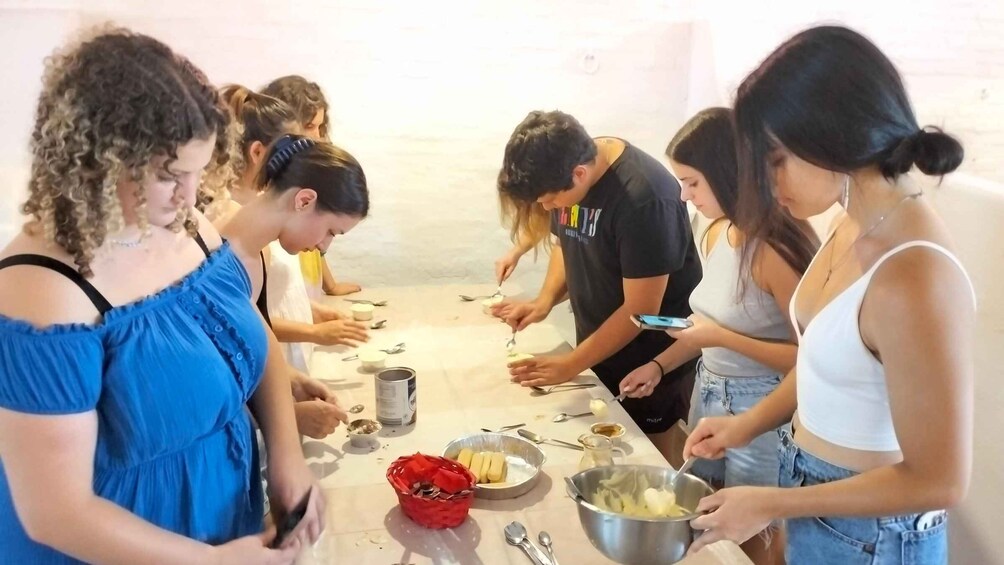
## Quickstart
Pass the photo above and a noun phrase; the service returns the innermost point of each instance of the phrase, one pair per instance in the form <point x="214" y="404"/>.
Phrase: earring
<point x="845" y="199"/>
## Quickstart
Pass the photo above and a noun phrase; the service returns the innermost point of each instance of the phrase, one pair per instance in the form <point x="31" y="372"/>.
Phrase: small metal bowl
<point x="363" y="432"/>
<point x="523" y="459"/>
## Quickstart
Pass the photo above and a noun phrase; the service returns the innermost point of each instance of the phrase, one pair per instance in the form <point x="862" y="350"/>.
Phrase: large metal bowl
<point x="523" y="459"/>
<point x="639" y="541"/>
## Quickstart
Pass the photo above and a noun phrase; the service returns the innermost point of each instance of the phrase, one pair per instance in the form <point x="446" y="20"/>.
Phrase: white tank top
<point x="288" y="300"/>
<point x="842" y="396"/>
<point x="754" y="314"/>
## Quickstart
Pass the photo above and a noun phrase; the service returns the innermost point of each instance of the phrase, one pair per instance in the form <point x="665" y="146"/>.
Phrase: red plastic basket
<point x="432" y="513"/>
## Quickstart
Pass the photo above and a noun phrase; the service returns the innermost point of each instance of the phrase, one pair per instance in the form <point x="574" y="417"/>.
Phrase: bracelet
<point x="662" y="371"/>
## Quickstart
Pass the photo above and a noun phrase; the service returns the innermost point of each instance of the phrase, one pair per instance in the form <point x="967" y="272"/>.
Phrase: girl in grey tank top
<point x="740" y="328"/>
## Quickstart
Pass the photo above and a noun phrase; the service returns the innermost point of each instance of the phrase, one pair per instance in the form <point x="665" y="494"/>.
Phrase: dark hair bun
<point x="933" y="151"/>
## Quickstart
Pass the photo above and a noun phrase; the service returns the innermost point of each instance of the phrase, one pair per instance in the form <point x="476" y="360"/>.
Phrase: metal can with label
<point x="396" y="396"/>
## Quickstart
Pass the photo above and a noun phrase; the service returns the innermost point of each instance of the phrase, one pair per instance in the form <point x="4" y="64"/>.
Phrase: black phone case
<point x="291" y="520"/>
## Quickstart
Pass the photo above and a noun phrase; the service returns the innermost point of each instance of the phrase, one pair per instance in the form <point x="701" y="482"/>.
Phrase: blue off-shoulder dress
<point x="169" y="377"/>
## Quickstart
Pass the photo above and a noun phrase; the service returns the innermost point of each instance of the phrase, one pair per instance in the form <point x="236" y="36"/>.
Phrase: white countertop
<point x="459" y="355"/>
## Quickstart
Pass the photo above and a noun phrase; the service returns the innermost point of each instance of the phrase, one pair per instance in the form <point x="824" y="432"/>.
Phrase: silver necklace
<point x="121" y="243"/>
<point x="843" y="257"/>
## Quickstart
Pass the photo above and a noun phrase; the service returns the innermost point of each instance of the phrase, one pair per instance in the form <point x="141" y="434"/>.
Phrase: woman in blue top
<point x="129" y="347"/>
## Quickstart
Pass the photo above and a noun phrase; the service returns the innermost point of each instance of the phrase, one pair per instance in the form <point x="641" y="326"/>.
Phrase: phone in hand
<point x="660" y="323"/>
<point x="291" y="520"/>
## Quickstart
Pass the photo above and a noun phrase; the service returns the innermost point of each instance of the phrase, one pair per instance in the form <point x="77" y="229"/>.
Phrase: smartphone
<point x="291" y="521"/>
<point x="660" y="323"/>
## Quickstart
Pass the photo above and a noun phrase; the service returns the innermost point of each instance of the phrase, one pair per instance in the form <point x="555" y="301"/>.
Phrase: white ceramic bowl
<point x="362" y="312"/>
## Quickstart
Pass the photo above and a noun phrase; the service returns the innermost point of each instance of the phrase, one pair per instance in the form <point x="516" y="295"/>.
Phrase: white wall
<point x="424" y="94"/>
<point x="950" y="52"/>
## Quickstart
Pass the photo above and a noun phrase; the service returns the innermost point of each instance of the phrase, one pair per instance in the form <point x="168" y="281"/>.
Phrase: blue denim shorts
<point x="913" y="539"/>
<point x="715" y="395"/>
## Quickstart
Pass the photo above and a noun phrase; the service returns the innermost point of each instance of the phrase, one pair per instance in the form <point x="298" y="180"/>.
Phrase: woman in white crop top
<point x="741" y="329"/>
<point x="885" y="315"/>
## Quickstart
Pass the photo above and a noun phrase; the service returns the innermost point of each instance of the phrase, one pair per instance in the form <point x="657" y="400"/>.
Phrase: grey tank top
<point x="755" y="314"/>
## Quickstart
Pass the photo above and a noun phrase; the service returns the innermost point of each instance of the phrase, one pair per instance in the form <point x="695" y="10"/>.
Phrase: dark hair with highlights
<point x="832" y="98"/>
<point x="109" y="106"/>
<point x="541" y="155"/>
<point x="262" y="118"/>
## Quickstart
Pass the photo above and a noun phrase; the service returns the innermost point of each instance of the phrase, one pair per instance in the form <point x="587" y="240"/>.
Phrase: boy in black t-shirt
<point x="624" y="246"/>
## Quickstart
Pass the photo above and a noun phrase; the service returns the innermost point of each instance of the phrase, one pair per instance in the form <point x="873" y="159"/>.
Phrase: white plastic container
<point x="487" y="304"/>
<point x="372" y="360"/>
<point x="362" y="312"/>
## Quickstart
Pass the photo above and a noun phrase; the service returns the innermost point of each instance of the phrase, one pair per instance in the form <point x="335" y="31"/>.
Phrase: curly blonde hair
<point x="110" y="104"/>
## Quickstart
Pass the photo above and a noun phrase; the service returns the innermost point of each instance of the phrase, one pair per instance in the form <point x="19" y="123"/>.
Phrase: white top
<point x="842" y="395"/>
<point x="754" y="314"/>
<point x="288" y="300"/>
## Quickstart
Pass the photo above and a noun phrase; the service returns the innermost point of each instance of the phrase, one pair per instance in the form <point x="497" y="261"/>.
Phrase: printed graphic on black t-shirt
<point x="579" y="222"/>
<point x="631" y="224"/>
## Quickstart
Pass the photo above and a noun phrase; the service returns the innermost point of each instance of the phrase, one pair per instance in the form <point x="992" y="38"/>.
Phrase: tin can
<point x="396" y="396"/>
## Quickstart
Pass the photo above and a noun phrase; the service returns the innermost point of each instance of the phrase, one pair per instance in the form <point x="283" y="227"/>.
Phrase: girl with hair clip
<point x="311" y="107"/>
<point x="740" y="332"/>
<point x="311" y="192"/>
<point x="298" y="322"/>
<point x="881" y="415"/>
<point x="130" y="348"/>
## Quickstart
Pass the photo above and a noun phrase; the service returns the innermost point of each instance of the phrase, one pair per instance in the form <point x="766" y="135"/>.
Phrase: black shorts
<point x="669" y="402"/>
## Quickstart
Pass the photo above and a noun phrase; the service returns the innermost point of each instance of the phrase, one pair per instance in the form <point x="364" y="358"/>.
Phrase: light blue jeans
<point x="716" y="395"/>
<point x="894" y="540"/>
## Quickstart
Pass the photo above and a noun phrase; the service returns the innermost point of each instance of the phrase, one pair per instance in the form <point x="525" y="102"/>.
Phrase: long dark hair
<point x="296" y="161"/>
<point x="707" y="143"/>
<point x="832" y="98"/>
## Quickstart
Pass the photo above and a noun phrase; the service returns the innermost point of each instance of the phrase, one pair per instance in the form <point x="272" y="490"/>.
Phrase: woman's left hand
<point x="323" y="313"/>
<point x="704" y="333"/>
<point x="736" y="514"/>
<point x="543" y="370"/>
<point x="289" y="481"/>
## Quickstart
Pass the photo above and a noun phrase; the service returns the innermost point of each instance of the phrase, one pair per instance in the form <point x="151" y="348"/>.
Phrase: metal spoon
<point x="378" y="324"/>
<point x="551" y="389"/>
<point x="509" y="345"/>
<point x="466" y="298"/>
<point x="356" y="409"/>
<point x="515" y="534"/>
<point x="545" y="540"/>
<point x="359" y="301"/>
<point x="498" y="292"/>
<point x="538" y="439"/>
<point x="683" y="469"/>
<point x="502" y="429"/>
<point x="392" y="351"/>
<point x="563" y="417"/>
<point x="573" y="491"/>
